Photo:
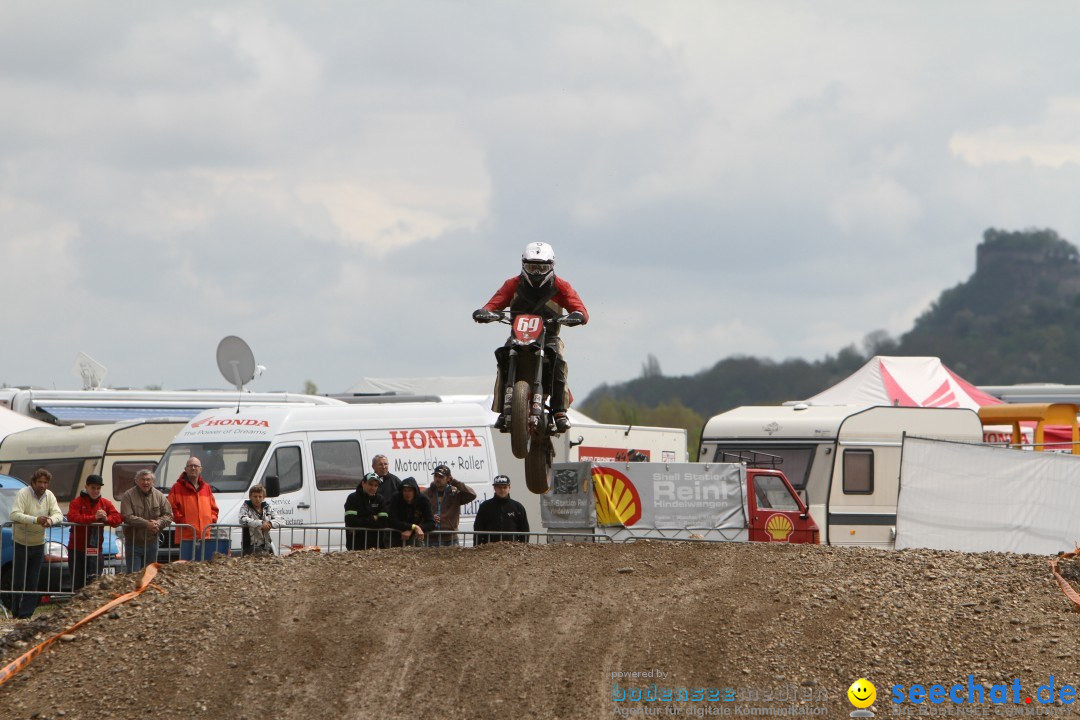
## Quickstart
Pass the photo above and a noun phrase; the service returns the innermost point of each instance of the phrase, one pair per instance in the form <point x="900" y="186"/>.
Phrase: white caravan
<point x="115" y="451"/>
<point x="320" y="454"/>
<point x="843" y="460"/>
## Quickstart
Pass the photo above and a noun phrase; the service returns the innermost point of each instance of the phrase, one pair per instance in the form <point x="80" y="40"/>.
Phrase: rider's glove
<point x="484" y="316"/>
<point x="574" y="318"/>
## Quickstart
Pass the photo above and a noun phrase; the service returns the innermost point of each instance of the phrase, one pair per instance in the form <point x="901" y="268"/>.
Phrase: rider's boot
<point x="501" y="422"/>
<point x="562" y="423"/>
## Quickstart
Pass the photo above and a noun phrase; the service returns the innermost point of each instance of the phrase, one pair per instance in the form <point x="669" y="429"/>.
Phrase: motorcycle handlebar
<point x="507" y="319"/>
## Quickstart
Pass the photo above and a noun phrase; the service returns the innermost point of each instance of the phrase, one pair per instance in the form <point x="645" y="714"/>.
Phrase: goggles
<point x="538" y="268"/>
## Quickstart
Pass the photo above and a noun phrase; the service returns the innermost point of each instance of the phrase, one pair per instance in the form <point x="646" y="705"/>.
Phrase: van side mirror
<point x="273" y="486"/>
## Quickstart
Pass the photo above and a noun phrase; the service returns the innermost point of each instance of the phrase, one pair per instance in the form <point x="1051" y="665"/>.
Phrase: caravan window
<point x="338" y="464"/>
<point x="65" y="475"/>
<point x="859" y="472"/>
<point x="123" y="475"/>
<point x="792" y="460"/>
<point x="286" y="464"/>
<point x="228" y="467"/>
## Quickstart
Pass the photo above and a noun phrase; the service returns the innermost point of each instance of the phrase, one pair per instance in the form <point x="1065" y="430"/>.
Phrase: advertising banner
<point x="646" y="495"/>
<point x="568" y="503"/>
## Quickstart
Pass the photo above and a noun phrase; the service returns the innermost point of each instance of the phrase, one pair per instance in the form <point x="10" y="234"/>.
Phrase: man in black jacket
<point x="389" y="483"/>
<point x="410" y="515"/>
<point x="502" y="514"/>
<point x="365" y="509"/>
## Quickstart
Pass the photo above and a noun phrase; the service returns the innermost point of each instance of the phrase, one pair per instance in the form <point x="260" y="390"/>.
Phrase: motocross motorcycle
<point x="525" y="396"/>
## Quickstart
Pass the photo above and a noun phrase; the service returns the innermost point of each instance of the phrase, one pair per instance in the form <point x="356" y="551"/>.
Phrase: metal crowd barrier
<point x="33" y="573"/>
<point x="227" y="538"/>
<point x="62" y="572"/>
<point x="683" y="534"/>
<point x="162" y="547"/>
<point x="475" y="538"/>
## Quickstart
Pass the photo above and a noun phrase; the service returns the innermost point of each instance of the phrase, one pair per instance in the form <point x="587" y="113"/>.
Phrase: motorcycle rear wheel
<point x="519" y="420"/>
<point x="538" y="466"/>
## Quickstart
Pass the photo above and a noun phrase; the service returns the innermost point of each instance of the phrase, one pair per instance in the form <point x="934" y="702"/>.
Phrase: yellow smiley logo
<point x="862" y="693"/>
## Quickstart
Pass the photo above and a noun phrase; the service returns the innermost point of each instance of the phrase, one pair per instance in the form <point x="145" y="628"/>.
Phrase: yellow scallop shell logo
<point x="617" y="500"/>
<point x="779" y="528"/>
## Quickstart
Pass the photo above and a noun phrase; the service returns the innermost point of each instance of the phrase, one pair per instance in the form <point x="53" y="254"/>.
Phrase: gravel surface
<point x="512" y="631"/>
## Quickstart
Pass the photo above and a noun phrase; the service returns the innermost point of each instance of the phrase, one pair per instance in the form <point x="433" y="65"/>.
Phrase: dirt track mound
<point x="510" y="631"/>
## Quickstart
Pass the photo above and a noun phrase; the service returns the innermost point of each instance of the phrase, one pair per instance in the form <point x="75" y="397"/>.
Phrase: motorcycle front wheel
<point x="538" y="466"/>
<point x="519" y="419"/>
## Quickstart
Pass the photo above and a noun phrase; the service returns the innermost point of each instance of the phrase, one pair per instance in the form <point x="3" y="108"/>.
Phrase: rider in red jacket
<point x="537" y="291"/>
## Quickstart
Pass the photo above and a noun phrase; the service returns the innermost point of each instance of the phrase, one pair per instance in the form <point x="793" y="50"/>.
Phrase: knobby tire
<point x="519" y="419"/>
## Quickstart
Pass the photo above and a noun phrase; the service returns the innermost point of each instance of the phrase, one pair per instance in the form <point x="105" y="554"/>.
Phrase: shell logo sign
<point x="779" y="528"/>
<point x="617" y="500"/>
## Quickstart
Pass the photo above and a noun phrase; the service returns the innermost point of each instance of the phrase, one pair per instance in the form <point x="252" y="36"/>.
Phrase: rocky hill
<point x="1012" y="321"/>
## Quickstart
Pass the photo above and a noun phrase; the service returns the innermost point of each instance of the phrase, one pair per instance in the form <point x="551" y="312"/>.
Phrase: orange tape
<point x="23" y="660"/>
<point x="1066" y="588"/>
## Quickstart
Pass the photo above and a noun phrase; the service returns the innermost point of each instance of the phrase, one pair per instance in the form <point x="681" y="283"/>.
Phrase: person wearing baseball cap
<point x="91" y="513"/>
<point x="366" y="509"/>
<point x="501" y="513"/>
<point x="446" y="496"/>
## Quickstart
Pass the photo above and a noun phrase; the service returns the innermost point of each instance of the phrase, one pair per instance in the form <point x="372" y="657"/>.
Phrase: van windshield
<point x="792" y="460"/>
<point x="227" y="467"/>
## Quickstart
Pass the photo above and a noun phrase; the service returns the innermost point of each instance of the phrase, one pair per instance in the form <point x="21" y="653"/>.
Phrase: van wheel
<point x="538" y="467"/>
<point x="519" y="420"/>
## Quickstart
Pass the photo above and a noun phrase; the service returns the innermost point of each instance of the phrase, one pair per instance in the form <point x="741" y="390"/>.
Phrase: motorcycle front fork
<point x="536" y="407"/>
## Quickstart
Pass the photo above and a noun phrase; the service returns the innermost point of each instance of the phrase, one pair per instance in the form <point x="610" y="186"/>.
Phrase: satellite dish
<point x="90" y="370"/>
<point x="235" y="361"/>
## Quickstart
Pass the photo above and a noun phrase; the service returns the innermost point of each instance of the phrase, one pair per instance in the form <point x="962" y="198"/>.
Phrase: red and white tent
<point x="905" y="382"/>
<point x="922" y="382"/>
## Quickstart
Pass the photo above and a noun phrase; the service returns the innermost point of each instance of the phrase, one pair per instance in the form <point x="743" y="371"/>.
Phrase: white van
<point x="844" y="460"/>
<point x="319" y="454"/>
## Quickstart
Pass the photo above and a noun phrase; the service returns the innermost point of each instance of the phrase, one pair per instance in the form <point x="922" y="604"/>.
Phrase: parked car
<point x="55" y="575"/>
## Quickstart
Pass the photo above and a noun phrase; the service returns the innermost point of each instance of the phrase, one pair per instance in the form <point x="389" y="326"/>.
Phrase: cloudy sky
<point x="342" y="183"/>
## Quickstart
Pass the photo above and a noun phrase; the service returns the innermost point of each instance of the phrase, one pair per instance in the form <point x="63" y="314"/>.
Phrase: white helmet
<point x="538" y="263"/>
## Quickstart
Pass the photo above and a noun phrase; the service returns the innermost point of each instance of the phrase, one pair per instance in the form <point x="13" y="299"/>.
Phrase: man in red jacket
<point x="536" y="291"/>
<point x="193" y="503"/>
<point x="93" y="512"/>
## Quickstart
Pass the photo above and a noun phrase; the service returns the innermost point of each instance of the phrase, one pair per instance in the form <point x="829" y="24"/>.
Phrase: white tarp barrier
<point x="977" y="498"/>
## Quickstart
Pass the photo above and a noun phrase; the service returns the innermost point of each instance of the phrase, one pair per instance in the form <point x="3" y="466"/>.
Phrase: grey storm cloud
<point x="342" y="183"/>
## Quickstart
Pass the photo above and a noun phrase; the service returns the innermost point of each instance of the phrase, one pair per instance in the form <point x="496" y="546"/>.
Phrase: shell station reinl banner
<point x="660" y="495"/>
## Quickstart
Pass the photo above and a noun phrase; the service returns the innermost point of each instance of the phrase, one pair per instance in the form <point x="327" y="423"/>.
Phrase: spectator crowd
<point x="384" y="511"/>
